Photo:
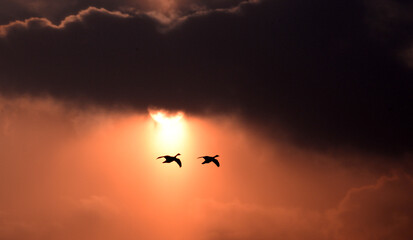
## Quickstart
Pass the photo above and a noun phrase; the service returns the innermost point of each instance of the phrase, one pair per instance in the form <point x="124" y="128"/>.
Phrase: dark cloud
<point x="57" y="10"/>
<point x="11" y="11"/>
<point x="317" y="71"/>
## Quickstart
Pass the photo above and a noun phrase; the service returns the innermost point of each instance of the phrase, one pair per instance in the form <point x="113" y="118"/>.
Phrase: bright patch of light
<point x="165" y="119"/>
<point x="169" y="130"/>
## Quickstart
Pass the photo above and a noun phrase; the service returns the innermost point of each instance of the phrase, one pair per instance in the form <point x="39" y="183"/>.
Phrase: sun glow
<point x="170" y="135"/>
<point x="165" y="119"/>
<point x="169" y="130"/>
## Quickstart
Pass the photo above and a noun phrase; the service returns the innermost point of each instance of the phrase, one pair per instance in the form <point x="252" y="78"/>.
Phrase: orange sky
<point x="307" y="103"/>
<point x="93" y="174"/>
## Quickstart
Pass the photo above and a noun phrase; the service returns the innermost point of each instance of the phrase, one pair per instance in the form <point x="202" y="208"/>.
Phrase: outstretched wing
<point x="216" y="162"/>
<point x="179" y="162"/>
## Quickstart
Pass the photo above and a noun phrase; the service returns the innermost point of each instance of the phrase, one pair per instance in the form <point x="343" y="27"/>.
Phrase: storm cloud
<point x="326" y="74"/>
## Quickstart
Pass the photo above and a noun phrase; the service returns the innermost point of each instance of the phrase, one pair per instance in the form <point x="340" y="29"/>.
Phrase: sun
<point x="169" y="129"/>
<point x="165" y="119"/>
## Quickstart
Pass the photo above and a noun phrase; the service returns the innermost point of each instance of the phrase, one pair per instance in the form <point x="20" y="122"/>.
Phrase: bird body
<point x="169" y="159"/>
<point x="208" y="159"/>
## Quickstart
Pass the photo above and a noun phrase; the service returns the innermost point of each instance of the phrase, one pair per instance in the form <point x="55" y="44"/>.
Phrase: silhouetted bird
<point x="169" y="159"/>
<point x="209" y="159"/>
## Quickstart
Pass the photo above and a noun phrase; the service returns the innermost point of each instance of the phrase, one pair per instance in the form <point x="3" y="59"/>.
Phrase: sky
<point x="307" y="103"/>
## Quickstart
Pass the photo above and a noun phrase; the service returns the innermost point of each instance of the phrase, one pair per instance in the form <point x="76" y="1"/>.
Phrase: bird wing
<point x="216" y="162"/>
<point x="179" y="162"/>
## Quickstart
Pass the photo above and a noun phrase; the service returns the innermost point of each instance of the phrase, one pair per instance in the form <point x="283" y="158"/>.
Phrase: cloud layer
<point x="379" y="211"/>
<point x="56" y="11"/>
<point x="324" y="78"/>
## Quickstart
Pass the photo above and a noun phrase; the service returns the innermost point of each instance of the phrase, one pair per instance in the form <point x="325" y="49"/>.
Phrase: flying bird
<point x="209" y="159"/>
<point x="169" y="159"/>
